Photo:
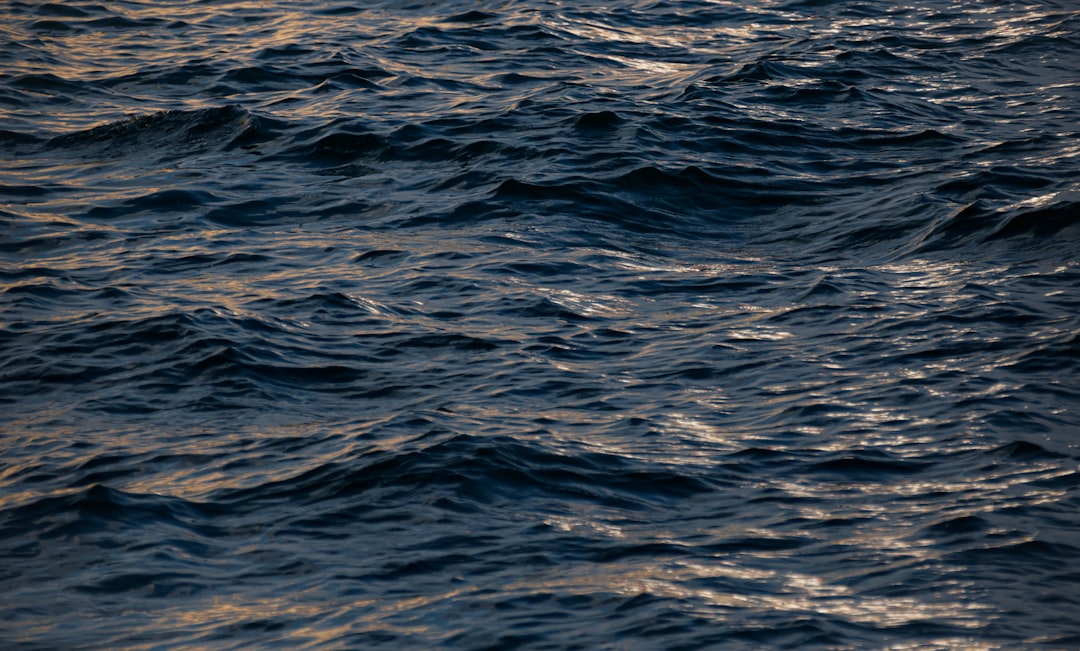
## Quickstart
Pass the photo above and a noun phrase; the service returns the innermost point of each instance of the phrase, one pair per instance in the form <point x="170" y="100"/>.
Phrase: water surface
<point x="646" y="325"/>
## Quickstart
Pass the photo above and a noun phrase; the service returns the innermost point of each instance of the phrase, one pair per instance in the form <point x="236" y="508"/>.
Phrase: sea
<point x="630" y="325"/>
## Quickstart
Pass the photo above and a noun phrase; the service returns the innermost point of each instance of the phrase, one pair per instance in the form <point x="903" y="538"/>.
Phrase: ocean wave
<point x="165" y="133"/>
<point x="645" y="324"/>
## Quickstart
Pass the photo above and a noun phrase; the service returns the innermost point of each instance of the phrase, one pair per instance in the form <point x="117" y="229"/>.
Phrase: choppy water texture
<point x="540" y="325"/>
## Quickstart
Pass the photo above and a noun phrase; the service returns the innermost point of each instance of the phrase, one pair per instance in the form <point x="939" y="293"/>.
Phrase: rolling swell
<point x="647" y="325"/>
<point x="172" y="131"/>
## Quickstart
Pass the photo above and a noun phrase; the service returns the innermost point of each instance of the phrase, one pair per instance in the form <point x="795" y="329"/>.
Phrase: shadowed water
<point x="492" y="325"/>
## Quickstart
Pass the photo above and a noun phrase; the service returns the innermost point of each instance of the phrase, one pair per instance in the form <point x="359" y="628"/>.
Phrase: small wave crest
<point x="164" y="134"/>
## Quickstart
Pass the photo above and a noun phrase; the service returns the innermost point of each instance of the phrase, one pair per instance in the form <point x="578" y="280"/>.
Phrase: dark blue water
<point x="540" y="325"/>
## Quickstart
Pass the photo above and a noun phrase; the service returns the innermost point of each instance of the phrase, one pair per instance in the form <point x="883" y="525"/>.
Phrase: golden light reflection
<point x="586" y="526"/>
<point x="783" y="591"/>
<point x="314" y="620"/>
<point x="1004" y="482"/>
<point x="686" y="431"/>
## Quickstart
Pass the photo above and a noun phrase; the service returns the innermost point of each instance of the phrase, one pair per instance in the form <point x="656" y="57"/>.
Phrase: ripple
<point x="656" y="325"/>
